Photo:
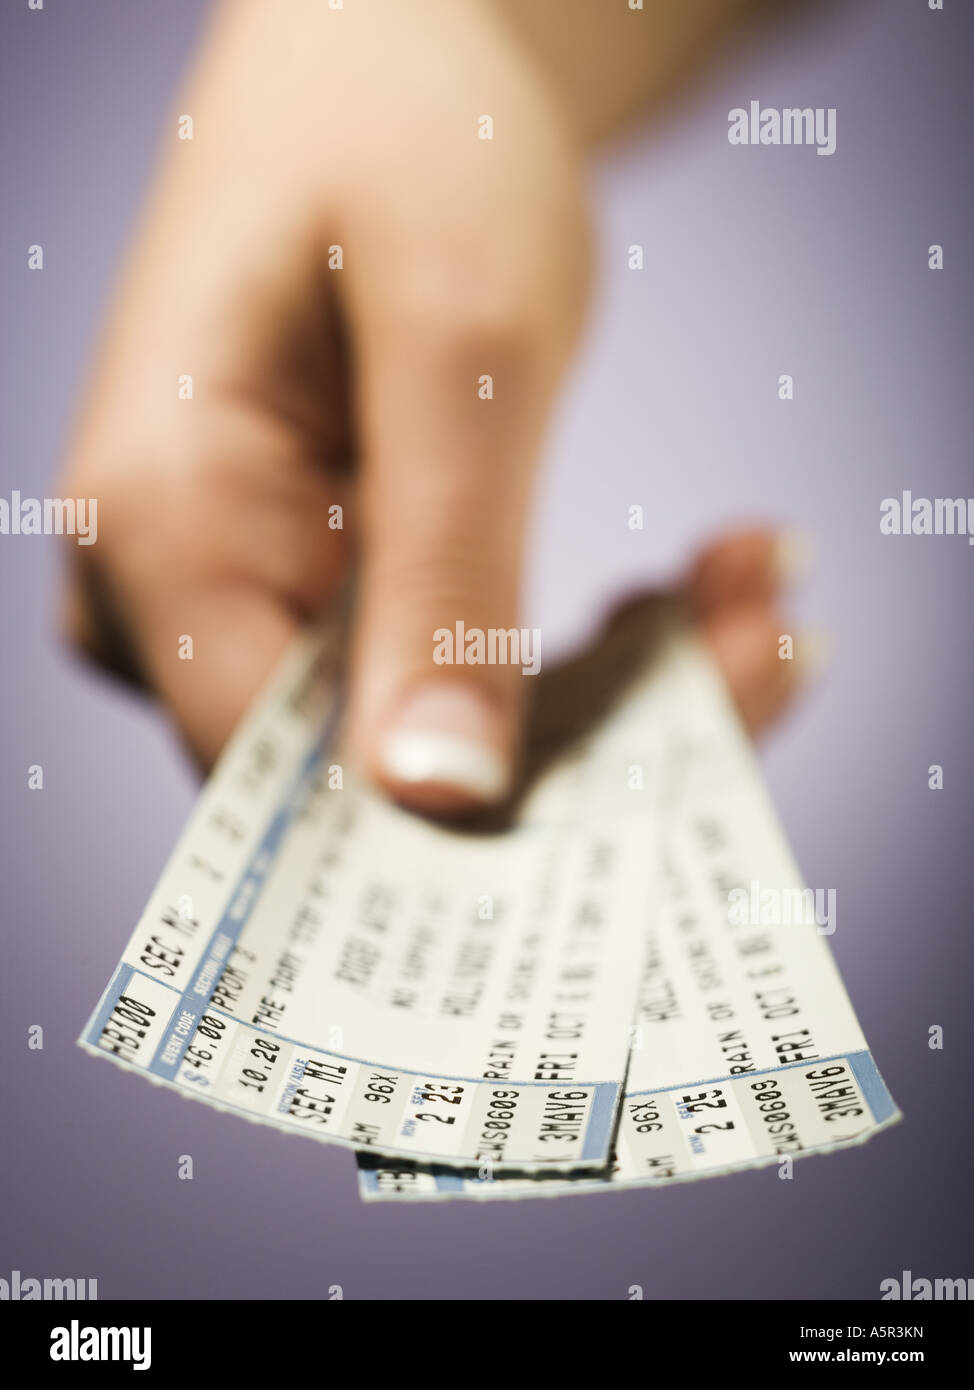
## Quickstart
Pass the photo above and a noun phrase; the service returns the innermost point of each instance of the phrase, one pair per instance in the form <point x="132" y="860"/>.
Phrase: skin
<point x="315" y="387"/>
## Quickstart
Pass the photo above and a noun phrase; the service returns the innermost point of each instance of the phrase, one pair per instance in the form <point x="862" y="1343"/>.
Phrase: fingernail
<point x="447" y="735"/>
<point x="813" y="653"/>
<point x="794" y="553"/>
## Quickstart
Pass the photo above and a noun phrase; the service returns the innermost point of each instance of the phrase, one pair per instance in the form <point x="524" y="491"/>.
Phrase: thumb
<point x="452" y="409"/>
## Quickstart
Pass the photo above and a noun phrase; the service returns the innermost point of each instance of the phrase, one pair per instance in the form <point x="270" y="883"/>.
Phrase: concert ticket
<point x="746" y="1050"/>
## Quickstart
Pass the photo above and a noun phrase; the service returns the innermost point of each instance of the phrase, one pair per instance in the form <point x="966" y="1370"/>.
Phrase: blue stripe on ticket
<point x="872" y="1085"/>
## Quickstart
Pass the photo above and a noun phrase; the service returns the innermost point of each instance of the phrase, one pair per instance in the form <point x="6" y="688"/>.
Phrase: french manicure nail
<point x="447" y="735"/>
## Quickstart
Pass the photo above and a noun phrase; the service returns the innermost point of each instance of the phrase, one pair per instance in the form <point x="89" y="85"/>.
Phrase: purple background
<point x="759" y="261"/>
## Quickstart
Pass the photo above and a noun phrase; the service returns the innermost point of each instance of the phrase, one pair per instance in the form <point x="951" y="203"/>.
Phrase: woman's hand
<point x="337" y="259"/>
<point x="338" y="269"/>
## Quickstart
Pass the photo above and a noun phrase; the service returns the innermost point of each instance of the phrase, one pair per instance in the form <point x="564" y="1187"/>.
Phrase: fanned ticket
<point x="746" y="1050"/>
<point x="316" y="959"/>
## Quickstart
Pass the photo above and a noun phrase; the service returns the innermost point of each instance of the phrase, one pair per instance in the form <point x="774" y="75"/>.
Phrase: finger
<point x="749" y="567"/>
<point x="763" y="679"/>
<point x="445" y="489"/>
<point x="209" y="656"/>
<point x="199" y="610"/>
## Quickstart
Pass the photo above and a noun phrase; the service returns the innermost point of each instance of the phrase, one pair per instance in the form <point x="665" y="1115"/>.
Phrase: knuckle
<point x="448" y="581"/>
<point x="463" y="311"/>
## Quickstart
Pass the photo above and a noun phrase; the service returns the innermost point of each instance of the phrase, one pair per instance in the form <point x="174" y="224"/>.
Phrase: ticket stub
<point x="316" y="959"/>
<point x="746" y="1050"/>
